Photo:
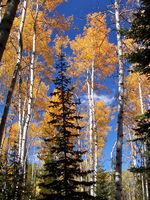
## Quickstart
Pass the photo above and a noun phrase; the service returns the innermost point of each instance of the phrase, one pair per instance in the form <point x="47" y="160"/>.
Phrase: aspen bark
<point x="111" y="158"/>
<point x="93" y="162"/>
<point x="119" y="145"/>
<point x="20" y="115"/>
<point x="90" y="153"/>
<point x="140" y="94"/>
<point x="145" y="188"/>
<point x="142" y="112"/>
<point x="95" y="145"/>
<point x="79" y="146"/>
<point x="133" y="151"/>
<point x="30" y="100"/>
<point x="6" y="23"/>
<point x="0" y="11"/>
<point x="138" y="2"/>
<point x="15" y="73"/>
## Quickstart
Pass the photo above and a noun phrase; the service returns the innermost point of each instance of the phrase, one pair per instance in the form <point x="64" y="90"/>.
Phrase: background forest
<point x="68" y="91"/>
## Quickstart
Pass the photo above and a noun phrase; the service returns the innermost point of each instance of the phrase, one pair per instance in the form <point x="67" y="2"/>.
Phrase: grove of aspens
<point x="75" y="99"/>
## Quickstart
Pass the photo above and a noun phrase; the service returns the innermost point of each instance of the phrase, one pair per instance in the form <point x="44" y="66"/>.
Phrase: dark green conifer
<point x="103" y="185"/>
<point x="142" y="133"/>
<point x="62" y="172"/>
<point x="140" y="33"/>
<point x="10" y="180"/>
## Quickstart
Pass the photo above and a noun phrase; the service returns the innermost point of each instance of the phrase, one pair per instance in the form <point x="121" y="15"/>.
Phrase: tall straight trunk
<point x="140" y="94"/>
<point x="6" y="23"/>
<point x="145" y="187"/>
<point x="15" y="74"/>
<point x="30" y="100"/>
<point x="22" y="116"/>
<point x="133" y="151"/>
<point x="138" y="2"/>
<point x="119" y="145"/>
<point x="143" y="161"/>
<point x="95" y="145"/>
<point x="90" y="138"/>
<point x="145" y="184"/>
<point x="112" y="160"/>
<point x="0" y="11"/>
<point x="79" y="148"/>
<point x="92" y="126"/>
<point x="134" y="165"/>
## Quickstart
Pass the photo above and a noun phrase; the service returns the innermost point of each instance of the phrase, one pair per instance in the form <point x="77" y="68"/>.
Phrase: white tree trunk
<point x="16" y="70"/>
<point x="30" y="100"/>
<point x="112" y="159"/>
<point x="0" y="11"/>
<point x="95" y="145"/>
<point x="138" y="2"/>
<point x="145" y="188"/>
<point x="119" y="145"/>
<point x="92" y="150"/>
<point x="140" y="94"/>
<point x="90" y="143"/>
<point x="20" y="48"/>
<point x="133" y="151"/>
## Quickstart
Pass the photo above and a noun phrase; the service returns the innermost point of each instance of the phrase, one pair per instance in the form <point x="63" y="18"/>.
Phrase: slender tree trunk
<point x="145" y="184"/>
<point x="143" y="160"/>
<point x="89" y="137"/>
<point x="30" y="100"/>
<point x="134" y="155"/>
<point x="95" y="145"/>
<point x="22" y="108"/>
<point x="15" y="74"/>
<point x="93" y="160"/>
<point x="119" y="145"/>
<point x="140" y="94"/>
<point x="112" y="160"/>
<point x="80" y="149"/>
<point x="138" y="2"/>
<point x="90" y="149"/>
<point x="145" y="187"/>
<point x="133" y="150"/>
<point x="20" y="115"/>
<point x="0" y="11"/>
<point x="6" y="23"/>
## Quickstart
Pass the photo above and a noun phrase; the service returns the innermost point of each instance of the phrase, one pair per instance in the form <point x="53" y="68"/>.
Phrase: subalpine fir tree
<point x="142" y="133"/>
<point x="103" y="185"/>
<point x="140" y="33"/>
<point x="10" y="180"/>
<point x="62" y="171"/>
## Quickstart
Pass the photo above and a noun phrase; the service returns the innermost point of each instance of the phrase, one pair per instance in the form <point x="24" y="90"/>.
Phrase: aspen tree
<point x="15" y="73"/>
<point x="143" y="176"/>
<point x="30" y="100"/>
<point x="119" y="145"/>
<point x="42" y="47"/>
<point x="91" y="55"/>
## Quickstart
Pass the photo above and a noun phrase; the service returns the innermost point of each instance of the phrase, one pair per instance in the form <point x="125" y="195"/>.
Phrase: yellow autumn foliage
<point x="93" y="45"/>
<point x="102" y="117"/>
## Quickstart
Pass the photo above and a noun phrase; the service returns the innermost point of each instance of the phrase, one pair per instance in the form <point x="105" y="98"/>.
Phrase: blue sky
<point x="79" y="9"/>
